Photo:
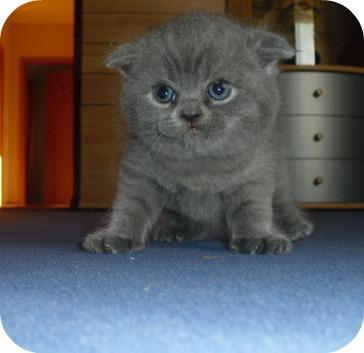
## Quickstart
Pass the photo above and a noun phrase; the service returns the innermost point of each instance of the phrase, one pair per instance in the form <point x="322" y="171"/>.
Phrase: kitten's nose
<point x="190" y="109"/>
<point x="190" y="116"/>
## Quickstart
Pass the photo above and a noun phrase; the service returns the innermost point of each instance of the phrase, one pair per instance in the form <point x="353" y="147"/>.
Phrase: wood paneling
<point x="101" y="88"/>
<point x="240" y="9"/>
<point x="94" y="56"/>
<point x="104" y="136"/>
<point x="105" y="126"/>
<point x="119" y="28"/>
<point x="155" y="6"/>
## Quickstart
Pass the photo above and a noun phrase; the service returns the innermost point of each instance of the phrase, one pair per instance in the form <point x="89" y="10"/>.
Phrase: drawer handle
<point x="318" y="92"/>
<point x="318" y="137"/>
<point x="318" y="181"/>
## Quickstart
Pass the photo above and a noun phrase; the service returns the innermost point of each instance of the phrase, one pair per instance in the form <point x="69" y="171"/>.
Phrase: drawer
<point x="327" y="181"/>
<point x="307" y="136"/>
<point x="327" y="93"/>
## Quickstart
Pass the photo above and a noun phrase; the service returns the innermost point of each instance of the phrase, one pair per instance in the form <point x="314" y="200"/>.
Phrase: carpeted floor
<point x="189" y="297"/>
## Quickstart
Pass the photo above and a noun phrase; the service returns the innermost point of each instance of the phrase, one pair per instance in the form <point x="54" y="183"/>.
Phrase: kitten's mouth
<point x="193" y="126"/>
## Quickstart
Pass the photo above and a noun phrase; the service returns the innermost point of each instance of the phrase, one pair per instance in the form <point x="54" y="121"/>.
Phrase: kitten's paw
<point x="103" y="242"/>
<point x="263" y="245"/>
<point x="298" y="229"/>
<point x="167" y="236"/>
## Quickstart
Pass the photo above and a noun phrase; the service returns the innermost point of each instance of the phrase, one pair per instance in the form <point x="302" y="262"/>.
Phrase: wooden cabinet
<point x="322" y="124"/>
<point x="323" y="93"/>
<point x="324" y="136"/>
<point x="327" y="181"/>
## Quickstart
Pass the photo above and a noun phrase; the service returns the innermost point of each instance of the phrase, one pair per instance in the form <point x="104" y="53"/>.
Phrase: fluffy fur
<point x="225" y="180"/>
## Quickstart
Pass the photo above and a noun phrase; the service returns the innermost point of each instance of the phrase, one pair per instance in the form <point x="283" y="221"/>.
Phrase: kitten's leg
<point x="249" y="217"/>
<point x="169" y="227"/>
<point x="291" y="220"/>
<point x="137" y="205"/>
<point x="172" y="226"/>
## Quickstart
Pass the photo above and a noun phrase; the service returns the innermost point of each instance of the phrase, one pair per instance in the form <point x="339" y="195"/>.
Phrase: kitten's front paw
<point x="103" y="242"/>
<point x="263" y="245"/>
<point x="298" y="229"/>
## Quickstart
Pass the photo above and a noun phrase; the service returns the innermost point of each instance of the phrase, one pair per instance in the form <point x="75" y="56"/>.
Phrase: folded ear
<point x="269" y="48"/>
<point x="122" y="59"/>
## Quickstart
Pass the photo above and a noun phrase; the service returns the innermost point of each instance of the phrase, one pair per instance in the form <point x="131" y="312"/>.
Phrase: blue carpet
<point x="189" y="297"/>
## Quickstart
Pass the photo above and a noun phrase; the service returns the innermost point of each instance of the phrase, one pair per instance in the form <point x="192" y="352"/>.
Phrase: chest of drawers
<point x="322" y="126"/>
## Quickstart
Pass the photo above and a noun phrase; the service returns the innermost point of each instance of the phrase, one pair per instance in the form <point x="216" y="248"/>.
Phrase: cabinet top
<point x="324" y="68"/>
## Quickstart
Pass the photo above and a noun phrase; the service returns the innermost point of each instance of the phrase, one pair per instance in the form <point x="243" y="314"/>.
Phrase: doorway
<point x="49" y="132"/>
<point x="37" y="119"/>
<point x="1" y="120"/>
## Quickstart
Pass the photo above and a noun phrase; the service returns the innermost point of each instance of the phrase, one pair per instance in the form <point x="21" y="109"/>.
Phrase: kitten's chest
<point x="205" y="207"/>
<point x="203" y="177"/>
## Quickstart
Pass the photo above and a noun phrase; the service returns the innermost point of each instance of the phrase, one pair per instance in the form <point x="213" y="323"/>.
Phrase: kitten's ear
<point x="122" y="58"/>
<point x="269" y="48"/>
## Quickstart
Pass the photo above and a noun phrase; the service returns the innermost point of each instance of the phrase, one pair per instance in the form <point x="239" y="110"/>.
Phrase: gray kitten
<point x="203" y="160"/>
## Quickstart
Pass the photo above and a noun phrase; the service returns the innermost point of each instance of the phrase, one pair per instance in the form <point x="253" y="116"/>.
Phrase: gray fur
<point x="227" y="181"/>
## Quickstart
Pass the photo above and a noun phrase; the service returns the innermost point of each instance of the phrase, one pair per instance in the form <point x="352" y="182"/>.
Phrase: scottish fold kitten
<point x="204" y="160"/>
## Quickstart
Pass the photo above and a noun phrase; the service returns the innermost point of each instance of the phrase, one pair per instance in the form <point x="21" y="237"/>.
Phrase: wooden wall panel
<point x="119" y="28"/>
<point x="155" y="6"/>
<point x="101" y="89"/>
<point x="240" y="9"/>
<point x="104" y="136"/>
<point x="94" y="56"/>
<point x="105" y="126"/>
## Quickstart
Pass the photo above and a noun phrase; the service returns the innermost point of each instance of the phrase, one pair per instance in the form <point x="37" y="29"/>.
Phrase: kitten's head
<point x="201" y="85"/>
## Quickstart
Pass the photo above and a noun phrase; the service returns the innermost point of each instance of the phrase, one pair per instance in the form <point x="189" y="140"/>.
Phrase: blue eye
<point x="164" y="94"/>
<point x="219" y="90"/>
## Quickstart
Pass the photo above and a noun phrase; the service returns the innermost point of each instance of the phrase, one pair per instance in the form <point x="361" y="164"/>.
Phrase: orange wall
<point x="24" y="40"/>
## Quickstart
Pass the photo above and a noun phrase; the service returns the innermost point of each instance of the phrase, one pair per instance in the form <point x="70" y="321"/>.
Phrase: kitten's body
<point x="226" y="178"/>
